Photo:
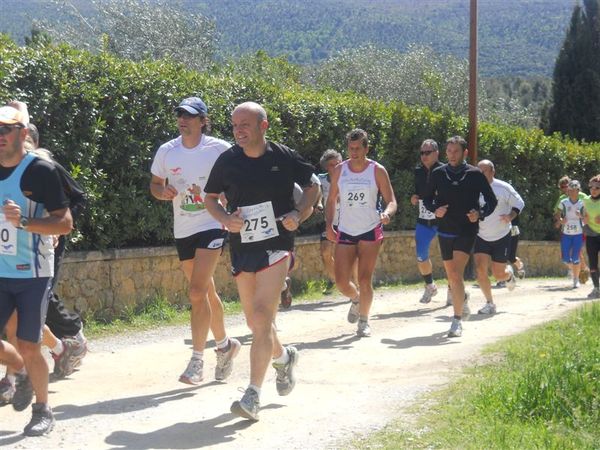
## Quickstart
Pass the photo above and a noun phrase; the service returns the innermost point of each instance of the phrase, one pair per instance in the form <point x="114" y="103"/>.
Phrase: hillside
<point x="516" y="37"/>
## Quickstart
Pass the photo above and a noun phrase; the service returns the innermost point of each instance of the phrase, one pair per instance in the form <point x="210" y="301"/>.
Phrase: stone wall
<point x="110" y="281"/>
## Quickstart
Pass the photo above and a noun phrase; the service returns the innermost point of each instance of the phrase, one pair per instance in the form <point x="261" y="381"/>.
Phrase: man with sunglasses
<point x="426" y="228"/>
<point x="179" y="173"/>
<point x="34" y="209"/>
<point x="452" y="194"/>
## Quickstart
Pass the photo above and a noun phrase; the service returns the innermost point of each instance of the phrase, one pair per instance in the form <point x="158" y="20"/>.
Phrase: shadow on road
<point x="184" y="435"/>
<point x="326" y="305"/>
<point x="127" y="404"/>
<point x="342" y="342"/>
<point x="407" y="314"/>
<point x="420" y="341"/>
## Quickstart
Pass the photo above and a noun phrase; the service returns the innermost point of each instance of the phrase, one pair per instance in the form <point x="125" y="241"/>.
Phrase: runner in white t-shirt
<point x="493" y="238"/>
<point x="179" y="173"/>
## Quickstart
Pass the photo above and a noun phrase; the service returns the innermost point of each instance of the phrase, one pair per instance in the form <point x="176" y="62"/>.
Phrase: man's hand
<point x="441" y="211"/>
<point x="169" y="192"/>
<point x="291" y="220"/>
<point x="234" y="221"/>
<point x="473" y="215"/>
<point x="12" y="212"/>
<point x="414" y="199"/>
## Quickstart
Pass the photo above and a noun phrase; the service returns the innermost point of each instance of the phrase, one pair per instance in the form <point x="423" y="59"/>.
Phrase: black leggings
<point x="592" y="246"/>
<point x="60" y="321"/>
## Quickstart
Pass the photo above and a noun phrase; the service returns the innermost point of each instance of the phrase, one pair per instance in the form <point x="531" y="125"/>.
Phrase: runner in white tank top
<point x="358" y="193"/>
<point x="356" y="183"/>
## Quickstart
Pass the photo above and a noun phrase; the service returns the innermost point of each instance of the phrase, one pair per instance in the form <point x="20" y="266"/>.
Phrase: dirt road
<point x="126" y="395"/>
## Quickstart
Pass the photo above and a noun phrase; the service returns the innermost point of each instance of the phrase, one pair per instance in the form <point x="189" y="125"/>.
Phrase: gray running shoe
<point x="466" y="313"/>
<point x="521" y="271"/>
<point x="431" y="291"/>
<point x="286" y="380"/>
<point x="7" y="391"/>
<point x="455" y="328"/>
<point x="594" y="294"/>
<point x="363" y="330"/>
<point x="449" y="297"/>
<point x="64" y="364"/>
<point x="23" y="392"/>
<point x="42" y="420"/>
<point x="511" y="283"/>
<point x="353" y="314"/>
<point x="225" y="360"/>
<point x="488" y="308"/>
<point x="193" y="372"/>
<point x="248" y="406"/>
<point x="576" y="283"/>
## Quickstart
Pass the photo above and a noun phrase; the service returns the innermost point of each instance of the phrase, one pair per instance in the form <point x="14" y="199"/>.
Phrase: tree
<point x="136" y="30"/>
<point x="575" y="110"/>
<point x="419" y="77"/>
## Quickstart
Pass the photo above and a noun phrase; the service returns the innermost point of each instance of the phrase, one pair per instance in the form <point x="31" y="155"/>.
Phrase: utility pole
<point x="472" y="138"/>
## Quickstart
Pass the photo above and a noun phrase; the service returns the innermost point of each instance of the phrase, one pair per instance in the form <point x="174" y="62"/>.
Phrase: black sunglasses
<point x="6" y="129"/>
<point x="426" y="152"/>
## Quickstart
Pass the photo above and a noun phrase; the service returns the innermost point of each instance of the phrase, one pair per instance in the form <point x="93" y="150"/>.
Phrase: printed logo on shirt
<point x="176" y="171"/>
<point x="274" y="169"/>
<point x="23" y="266"/>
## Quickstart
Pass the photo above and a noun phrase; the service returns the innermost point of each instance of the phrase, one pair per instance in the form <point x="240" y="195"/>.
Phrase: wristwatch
<point x="23" y="222"/>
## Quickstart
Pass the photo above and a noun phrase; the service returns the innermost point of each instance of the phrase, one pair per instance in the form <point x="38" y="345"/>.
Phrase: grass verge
<point x="540" y="389"/>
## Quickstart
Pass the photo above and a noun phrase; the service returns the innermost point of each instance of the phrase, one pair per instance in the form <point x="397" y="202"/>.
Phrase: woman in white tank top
<point x="357" y="182"/>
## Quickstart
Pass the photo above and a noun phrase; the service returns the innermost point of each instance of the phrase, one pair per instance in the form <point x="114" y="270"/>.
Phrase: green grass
<point x="158" y="311"/>
<point x="539" y="390"/>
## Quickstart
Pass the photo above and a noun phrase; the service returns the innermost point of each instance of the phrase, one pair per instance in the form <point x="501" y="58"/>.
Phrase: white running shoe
<point x="576" y="283"/>
<point x="286" y="380"/>
<point x="466" y="310"/>
<point x="193" y="373"/>
<point x="489" y="308"/>
<point x="455" y="328"/>
<point x="511" y="283"/>
<point x="431" y="291"/>
<point x="353" y="313"/>
<point x="363" y="329"/>
<point x="248" y="406"/>
<point x="225" y="359"/>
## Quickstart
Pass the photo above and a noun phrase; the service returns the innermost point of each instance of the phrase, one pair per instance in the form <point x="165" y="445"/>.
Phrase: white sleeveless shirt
<point x="572" y="212"/>
<point x="358" y="200"/>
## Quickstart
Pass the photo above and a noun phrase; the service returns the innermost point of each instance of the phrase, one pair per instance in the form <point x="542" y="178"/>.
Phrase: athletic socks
<point x="457" y="317"/>
<point x="283" y="359"/>
<point x="197" y="355"/>
<point x="256" y="388"/>
<point x="223" y="345"/>
<point x="58" y="348"/>
<point x="428" y="278"/>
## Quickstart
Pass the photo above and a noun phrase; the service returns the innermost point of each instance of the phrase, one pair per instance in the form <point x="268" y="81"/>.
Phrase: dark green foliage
<point x="576" y="104"/>
<point x="104" y="118"/>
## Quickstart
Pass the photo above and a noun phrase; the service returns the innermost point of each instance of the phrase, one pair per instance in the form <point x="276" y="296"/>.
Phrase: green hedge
<point x="104" y="118"/>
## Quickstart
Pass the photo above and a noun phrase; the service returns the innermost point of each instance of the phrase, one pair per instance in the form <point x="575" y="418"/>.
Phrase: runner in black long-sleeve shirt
<point x="452" y="194"/>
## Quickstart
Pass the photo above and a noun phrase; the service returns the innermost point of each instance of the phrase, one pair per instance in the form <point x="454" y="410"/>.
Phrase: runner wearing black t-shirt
<point x="257" y="177"/>
<point x="452" y="194"/>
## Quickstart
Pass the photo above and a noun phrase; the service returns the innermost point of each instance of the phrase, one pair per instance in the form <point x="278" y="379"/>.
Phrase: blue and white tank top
<point x="358" y="200"/>
<point x="572" y="212"/>
<point x="23" y="254"/>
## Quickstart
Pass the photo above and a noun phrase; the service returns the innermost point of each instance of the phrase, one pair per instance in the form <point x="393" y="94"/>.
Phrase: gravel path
<point x="126" y="395"/>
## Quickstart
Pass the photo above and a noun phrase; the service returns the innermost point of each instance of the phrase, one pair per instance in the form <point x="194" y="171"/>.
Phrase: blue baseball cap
<point x="192" y="105"/>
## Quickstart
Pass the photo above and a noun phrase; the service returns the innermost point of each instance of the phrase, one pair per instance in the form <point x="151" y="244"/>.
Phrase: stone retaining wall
<point x="111" y="281"/>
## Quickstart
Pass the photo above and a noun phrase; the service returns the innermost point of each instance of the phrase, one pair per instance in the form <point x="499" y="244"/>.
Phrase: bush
<point x="104" y="117"/>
